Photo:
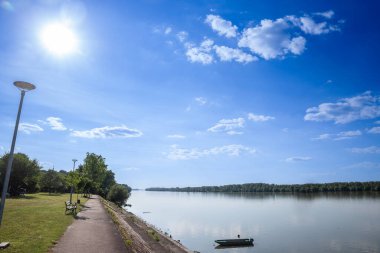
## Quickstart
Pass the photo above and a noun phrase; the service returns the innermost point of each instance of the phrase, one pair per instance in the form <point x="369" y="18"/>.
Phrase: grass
<point x="34" y="223"/>
<point x="153" y="234"/>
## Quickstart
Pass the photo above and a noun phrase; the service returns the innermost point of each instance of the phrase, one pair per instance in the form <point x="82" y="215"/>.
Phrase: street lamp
<point x="23" y="87"/>
<point x="72" y="183"/>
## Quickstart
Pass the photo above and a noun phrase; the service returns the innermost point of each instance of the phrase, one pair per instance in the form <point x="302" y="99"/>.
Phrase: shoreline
<point x="139" y="236"/>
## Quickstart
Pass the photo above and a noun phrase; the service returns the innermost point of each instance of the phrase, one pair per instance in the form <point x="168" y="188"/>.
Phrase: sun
<point x="59" y="39"/>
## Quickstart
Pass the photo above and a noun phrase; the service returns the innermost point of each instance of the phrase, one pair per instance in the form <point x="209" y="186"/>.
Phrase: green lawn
<point x="34" y="223"/>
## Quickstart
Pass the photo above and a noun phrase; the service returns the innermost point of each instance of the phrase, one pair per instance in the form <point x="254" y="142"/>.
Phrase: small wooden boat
<point x="235" y="242"/>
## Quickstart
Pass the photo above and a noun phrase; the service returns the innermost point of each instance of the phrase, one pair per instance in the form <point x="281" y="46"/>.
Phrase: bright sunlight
<point x="59" y="39"/>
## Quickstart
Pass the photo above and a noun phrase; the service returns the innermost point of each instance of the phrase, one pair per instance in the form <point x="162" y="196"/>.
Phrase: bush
<point x="118" y="194"/>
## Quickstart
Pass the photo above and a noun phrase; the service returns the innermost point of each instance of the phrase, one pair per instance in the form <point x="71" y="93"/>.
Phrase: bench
<point x="70" y="207"/>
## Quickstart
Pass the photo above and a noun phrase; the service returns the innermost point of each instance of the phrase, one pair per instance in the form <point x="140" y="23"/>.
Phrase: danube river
<point x="305" y="223"/>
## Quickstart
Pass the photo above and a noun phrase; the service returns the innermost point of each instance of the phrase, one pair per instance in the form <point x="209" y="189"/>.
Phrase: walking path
<point x="93" y="231"/>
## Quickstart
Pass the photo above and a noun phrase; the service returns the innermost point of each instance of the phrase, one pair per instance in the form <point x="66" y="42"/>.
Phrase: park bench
<point x="70" y="207"/>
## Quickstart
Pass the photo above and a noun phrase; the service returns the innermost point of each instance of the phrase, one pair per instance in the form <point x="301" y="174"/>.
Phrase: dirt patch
<point x="139" y="236"/>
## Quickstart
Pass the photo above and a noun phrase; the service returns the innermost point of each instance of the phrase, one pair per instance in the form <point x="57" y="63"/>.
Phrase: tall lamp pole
<point x="23" y="87"/>
<point x="72" y="183"/>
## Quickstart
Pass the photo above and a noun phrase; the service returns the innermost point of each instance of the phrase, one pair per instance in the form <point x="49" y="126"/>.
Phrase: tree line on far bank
<point x="294" y="188"/>
<point x="92" y="176"/>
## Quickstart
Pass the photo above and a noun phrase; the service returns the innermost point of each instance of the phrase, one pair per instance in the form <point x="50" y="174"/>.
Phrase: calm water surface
<point x="277" y="222"/>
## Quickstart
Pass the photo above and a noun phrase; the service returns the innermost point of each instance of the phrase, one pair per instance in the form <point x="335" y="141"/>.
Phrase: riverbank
<point x="139" y="236"/>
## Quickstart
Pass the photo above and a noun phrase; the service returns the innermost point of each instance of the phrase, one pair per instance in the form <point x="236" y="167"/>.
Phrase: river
<point x="334" y="222"/>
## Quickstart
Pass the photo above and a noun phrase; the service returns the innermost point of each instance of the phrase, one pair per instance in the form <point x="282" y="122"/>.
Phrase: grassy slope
<point x="34" y="223"/>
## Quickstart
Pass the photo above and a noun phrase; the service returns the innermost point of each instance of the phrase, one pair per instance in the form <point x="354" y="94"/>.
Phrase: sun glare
<point x="59" y="39"/>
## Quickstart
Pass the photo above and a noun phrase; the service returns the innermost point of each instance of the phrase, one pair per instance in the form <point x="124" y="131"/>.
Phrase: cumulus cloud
<point x="268" y="39"/>
<point x="221" y="26"/>
<point x="29" y="128"/>
<point x="309" y="26"/>
<point x="202" y="53"/>
<point x="108" y="132"/>
<point x="374" y="130"/>
<point x="366" y="150"/>
<point x="298" y="159"/>
<point x="177" y="153"/>
<point x="201" y="100"/>
<point x="227" y="125"/>
<point x="259" y="118"/>
<point x="233" y="54"/>
<point x="364" y="106"/>
<point x="176" y="136"/>
<point x="271" y="39"/>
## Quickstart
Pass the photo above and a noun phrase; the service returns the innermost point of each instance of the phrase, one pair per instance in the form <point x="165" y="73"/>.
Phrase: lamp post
<point x="23" y="87"/>
<point x="72" y="183"/>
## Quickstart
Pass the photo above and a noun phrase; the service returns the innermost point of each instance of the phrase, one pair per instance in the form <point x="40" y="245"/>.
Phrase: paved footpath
<point x="92" y="231"/>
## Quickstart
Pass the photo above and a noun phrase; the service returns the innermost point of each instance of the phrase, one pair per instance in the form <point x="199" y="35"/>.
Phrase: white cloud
<point x="269" y="39"/>
<point x="374" y="130"/>
<point x="29" y="128"/>
<point x="226" y="125"/>
<point x="182" y="36"/>
<point x="168" y="30"/>
<point x="229" y="54"/>
<point x="309" y="26"/>
<point x="347" y="135"/>
<point x="298" y="159"/>
<point x="327" y="14"/>
<point x="108" y="132"/>
<point x="56" y="123"/>
<point x="177" y="153"/>
<point x="366" y="150"/>
<point x="221" y="26"/>
<point x="339" y="136"/>
<point x="201" y="100"/>
<point x="364" y="106"/>
<point x="259" y="118"/>
<point x="297" y="45"/>
<point x="202" y="53"/>
<point x="322" y="137"/>
<point x="176" y="136"/>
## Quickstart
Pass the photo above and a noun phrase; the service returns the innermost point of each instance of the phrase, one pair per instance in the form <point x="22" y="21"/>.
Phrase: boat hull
<point x="235" y="242"/>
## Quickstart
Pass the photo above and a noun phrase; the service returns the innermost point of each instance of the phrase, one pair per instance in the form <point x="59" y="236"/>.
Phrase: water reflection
<point x="279" y="222"/>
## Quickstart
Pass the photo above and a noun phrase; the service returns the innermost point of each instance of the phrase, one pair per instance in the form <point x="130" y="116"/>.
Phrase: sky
<point x="192" y="93"/>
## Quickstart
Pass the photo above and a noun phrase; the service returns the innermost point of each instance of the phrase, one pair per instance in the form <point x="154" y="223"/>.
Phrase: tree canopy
<point x="24" y="174"/>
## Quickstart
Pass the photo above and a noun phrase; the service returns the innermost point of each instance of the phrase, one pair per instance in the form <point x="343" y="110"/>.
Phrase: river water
<point x="333" y="222"/>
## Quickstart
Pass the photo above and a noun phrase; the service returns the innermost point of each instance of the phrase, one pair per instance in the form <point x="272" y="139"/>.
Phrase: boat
<point x="235" y="242"/>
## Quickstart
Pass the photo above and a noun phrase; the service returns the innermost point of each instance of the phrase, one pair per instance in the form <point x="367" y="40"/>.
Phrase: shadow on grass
<point x="51" y="194"/>
<point x="22" y="197"/>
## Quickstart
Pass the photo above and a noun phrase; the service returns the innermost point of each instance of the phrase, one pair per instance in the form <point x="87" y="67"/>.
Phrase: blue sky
<point x="190" y="93"/>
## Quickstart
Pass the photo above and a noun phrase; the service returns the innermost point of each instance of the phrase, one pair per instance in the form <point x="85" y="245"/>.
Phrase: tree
<point x="24" y="174"/>
<point x="118" y="194"/>
<point x="96" y="177"/>
<point x="52" y="181"/>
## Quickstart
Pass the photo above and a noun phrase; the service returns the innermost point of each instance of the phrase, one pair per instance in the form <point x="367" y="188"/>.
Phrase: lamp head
<point x="25" y="86"/>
